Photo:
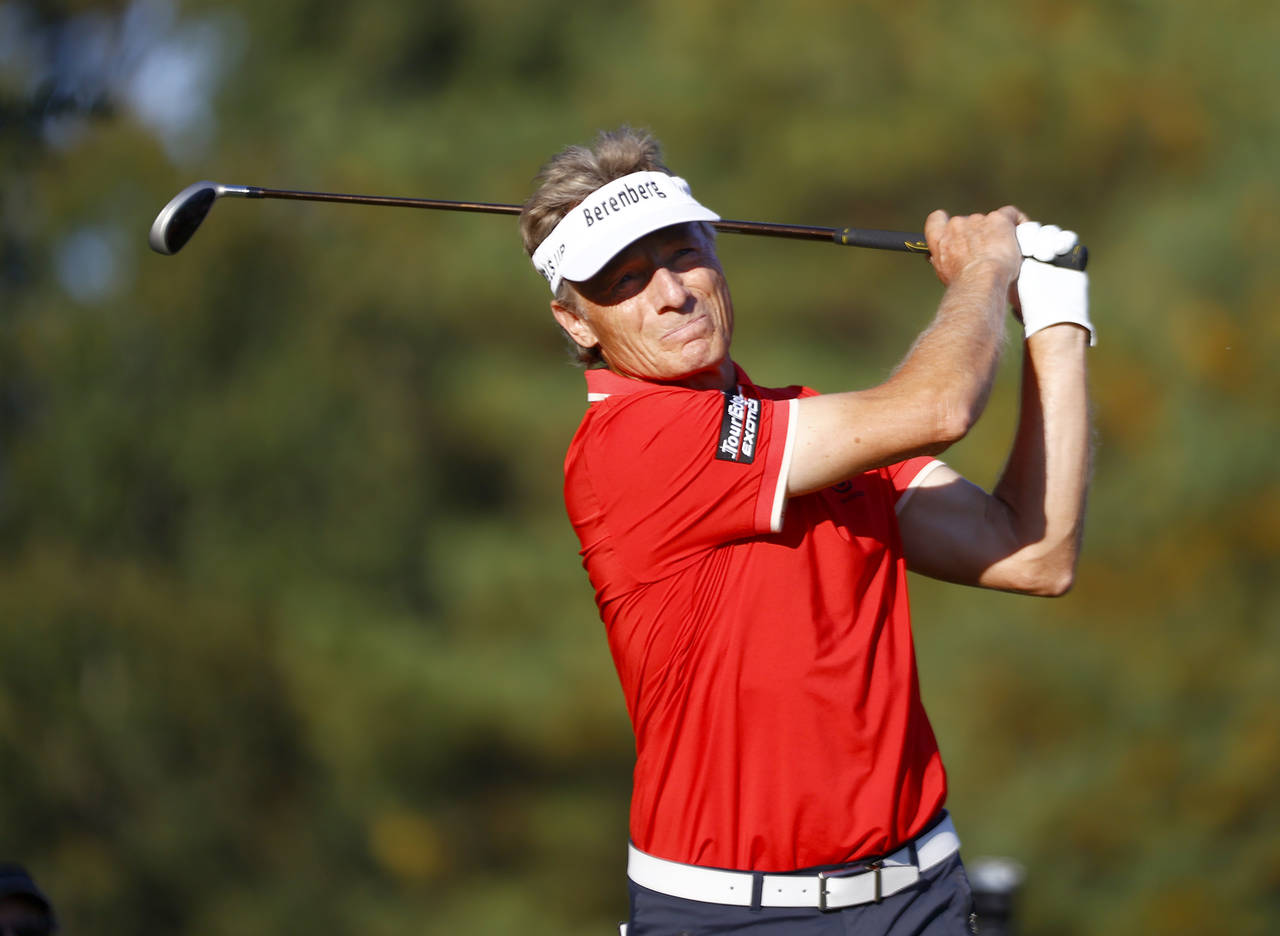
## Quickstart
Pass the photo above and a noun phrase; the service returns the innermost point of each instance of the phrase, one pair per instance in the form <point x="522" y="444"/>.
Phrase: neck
<point x="723" y="377"/>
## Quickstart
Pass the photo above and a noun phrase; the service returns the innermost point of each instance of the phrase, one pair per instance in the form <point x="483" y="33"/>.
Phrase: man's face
<point x="660" y="310"/>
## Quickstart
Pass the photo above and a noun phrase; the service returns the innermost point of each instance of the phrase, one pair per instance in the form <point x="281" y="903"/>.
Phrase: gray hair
<point x="569" y="177"/>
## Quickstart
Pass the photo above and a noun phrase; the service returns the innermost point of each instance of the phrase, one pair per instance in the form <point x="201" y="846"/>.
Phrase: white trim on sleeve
<point x="915" y="483"/>
<point x="780" y="492"/>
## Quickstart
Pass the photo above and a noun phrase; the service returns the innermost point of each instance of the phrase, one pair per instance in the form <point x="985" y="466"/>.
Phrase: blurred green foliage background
<point x="293" y="633"/>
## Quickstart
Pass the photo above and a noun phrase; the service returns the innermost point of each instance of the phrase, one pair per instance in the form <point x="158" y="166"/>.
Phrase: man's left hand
<point x="1048" y="295"/>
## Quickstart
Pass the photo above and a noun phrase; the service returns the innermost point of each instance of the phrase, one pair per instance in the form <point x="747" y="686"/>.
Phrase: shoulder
<point x="661" y="404"/>
<point x="622" y="422"/>
<point x="792" y="392"/>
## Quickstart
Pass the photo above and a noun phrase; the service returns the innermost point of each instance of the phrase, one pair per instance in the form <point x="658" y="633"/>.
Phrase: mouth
<point x="694" y="328"/>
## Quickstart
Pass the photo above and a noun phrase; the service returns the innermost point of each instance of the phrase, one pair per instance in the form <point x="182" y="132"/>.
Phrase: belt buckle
<point x="869" y="867"/>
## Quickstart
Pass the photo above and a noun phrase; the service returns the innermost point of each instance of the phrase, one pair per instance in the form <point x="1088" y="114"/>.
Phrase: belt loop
<point x="914" y="854"/>
<point x="757" y="890"/>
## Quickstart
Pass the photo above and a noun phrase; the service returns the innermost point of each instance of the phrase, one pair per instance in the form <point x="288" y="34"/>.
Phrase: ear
<point x="577" y="328"/>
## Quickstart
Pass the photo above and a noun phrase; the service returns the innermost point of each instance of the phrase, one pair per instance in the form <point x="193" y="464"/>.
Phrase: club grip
<point x="1077" y="259"/>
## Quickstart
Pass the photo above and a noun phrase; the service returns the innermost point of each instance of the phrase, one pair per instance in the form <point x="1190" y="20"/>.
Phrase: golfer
<point x="749" y="547"/>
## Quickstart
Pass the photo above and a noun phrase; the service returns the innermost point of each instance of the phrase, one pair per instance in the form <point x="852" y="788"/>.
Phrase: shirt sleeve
<point x="908" y="475"/>
<point x="675" y="472"/>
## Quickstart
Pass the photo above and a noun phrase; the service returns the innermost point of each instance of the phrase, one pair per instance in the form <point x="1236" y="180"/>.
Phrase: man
<point x="749" y="546"/>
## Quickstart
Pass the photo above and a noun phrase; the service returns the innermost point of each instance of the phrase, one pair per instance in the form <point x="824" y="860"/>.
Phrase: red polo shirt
<point x="763" y="644"/>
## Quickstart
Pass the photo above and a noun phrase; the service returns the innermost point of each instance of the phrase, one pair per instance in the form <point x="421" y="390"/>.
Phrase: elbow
<point x="952" y="420"/>
<point x="933" y="414"/>
<point x="1055" y="586"/>
<point x="1049" y="576"/>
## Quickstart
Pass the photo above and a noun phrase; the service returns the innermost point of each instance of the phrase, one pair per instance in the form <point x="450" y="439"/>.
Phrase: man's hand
<point x="959" y="243"/>
<point x="1048" y="295"/>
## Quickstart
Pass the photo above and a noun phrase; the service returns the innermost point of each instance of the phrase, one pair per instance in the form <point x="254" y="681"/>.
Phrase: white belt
<point x="865" y="882"/>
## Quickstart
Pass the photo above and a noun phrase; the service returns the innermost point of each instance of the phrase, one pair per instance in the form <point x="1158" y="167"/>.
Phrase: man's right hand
<point x="959" y="243"/>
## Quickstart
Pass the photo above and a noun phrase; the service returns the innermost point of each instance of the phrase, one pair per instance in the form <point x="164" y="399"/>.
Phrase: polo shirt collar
<point x="603" y="383"/>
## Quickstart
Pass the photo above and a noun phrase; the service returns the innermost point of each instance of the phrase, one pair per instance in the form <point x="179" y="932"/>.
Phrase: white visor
<point x="613" y="216"/>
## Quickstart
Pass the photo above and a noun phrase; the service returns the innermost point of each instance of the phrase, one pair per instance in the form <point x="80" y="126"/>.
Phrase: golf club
<point x="178" y="220"/>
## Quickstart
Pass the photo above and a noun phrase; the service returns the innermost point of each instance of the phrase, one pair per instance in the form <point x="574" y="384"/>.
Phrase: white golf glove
<point x="1050" y="295"/>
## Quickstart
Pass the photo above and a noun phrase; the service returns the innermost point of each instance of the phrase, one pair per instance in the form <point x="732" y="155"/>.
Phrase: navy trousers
<point x="939" y="904"/>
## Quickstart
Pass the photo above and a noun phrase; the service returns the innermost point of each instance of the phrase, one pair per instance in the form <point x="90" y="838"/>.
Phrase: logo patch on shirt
<point x="738" y="429"/>
<point x="845" y="491"/>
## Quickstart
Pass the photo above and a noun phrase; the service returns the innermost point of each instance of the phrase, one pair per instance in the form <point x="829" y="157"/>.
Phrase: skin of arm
<point x="1025" y="535"/>
<point x="939" y="390"/>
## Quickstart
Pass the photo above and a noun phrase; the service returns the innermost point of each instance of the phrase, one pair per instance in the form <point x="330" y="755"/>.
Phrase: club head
<point x="178" y="220"/>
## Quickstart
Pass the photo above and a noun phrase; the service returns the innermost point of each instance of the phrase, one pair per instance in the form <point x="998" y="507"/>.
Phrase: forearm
<point x="940" y="388"/>
<point x="931" y="400"/>
<point x="953" y="362"/>
<point x="1044" y="485"/>
<point x="1025" y="535"/>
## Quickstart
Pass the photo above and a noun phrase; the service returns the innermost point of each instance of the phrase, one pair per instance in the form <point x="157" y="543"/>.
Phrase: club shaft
<point x="850" y="237"/>
<point x="386" y="201"/>
<point x="179" y="219"/>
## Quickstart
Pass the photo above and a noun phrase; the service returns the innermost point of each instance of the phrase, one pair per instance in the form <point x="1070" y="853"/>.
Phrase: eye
<point x="626" y="283"/>
<point x="684" y="256"/>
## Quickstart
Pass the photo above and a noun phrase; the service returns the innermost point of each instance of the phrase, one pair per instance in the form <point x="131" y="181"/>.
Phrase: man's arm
<point x="939" y="390"/>
<point x="1025" y="535"/>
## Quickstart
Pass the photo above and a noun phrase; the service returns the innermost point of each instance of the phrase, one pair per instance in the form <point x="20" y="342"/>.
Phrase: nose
<point x="669" y="289"/>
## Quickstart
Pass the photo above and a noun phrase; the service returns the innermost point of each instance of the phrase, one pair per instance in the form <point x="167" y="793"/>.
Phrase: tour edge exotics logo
<point x="738" y="429"/>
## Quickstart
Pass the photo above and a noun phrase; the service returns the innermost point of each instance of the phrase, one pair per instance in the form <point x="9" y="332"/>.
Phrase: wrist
<point x="1060" y="336"/>
<point x="989" y="271"/>
<point x="1050" y="295"/>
